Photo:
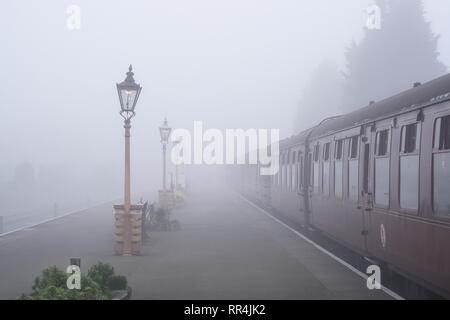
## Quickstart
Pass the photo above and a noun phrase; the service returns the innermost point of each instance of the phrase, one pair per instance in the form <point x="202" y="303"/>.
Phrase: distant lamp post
<point x="129" y="92"/>
<point x="164" y="131"/>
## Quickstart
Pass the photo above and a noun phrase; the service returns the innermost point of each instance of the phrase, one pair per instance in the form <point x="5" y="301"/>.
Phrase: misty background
<point x="232" y="64"/>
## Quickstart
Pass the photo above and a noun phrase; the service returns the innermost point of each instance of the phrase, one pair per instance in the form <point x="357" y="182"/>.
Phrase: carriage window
<point x="442" y="133"/>
<point x="338" y="168"/>
<point x="300" y="171"/>
<point x="326" y="151"/>
<point x="441" y="168"/>
<point x="314" y="167"/>
<point x="315" y="170"/>
<point x="288" y="177"/>
<point x="338" y="151"/>
<point x="316" y="153"/>
<point x="410" y="139"/>
<point x="353" y="150"/>
<point x="382" y="168"/>
<point x="437" y="133"/>
<point x="366" y="168"/>
<point x="326" y="169"/>
<point x="310" y="170"/>
<point x="294" y="177"/>
<point x="382" y="143"/>
<point x="409" y="167"/>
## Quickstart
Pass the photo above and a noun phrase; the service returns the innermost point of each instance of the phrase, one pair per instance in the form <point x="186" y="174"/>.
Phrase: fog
<point x="230" y="64"/>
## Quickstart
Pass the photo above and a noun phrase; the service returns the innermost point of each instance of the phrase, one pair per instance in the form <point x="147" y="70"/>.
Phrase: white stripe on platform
<point x="30" y="226"/>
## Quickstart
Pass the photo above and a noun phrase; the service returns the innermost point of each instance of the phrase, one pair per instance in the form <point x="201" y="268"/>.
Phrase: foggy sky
<point x="231" y="64"/>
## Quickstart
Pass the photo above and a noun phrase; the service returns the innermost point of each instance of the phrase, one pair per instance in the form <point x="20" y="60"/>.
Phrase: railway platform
<point x="227" y="248"/>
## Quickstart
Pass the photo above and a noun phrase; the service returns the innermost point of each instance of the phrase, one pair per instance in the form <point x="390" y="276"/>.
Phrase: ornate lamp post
<point x="164" y="131"/>
<point x="129" y="92"/>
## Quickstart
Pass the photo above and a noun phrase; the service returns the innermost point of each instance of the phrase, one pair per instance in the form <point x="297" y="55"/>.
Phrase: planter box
<point x="131" y="223"/>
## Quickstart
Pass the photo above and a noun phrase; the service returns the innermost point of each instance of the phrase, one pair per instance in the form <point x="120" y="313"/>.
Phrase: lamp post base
<point x="127" y="230"/>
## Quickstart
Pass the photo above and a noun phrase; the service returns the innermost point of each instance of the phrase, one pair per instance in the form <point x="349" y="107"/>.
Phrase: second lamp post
<point x="164" y="197"/>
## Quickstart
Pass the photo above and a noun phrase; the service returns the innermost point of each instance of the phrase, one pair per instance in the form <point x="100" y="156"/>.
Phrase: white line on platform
<point x="54" y="218"/>
<point x="359" y="273"/>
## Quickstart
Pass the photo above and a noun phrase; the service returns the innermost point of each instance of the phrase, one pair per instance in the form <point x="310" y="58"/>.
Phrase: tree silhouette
<point x="320" y="98"/>
<point x="390" y="60"/>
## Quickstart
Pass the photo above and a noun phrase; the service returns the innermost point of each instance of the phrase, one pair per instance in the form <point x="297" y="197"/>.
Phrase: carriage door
<point x="365" y="202"/>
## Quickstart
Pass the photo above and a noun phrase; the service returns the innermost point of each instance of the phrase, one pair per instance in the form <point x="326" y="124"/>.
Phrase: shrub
<point x="51" y="277"/>
<point x="117" y="282"/>
<point x="100" y="273"/>
<point x="96" y="285"/>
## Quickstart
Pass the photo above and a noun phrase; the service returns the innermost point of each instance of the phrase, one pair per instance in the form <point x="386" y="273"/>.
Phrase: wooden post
<point x="127" y="200"/>
<point x="127" y="168"/>
<point x="164" y="167"/>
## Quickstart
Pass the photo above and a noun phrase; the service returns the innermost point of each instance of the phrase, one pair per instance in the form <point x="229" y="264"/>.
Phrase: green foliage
<point x="23" y="296"/>
<point x="117" y="282"/>
<point x="51" y="277"/>
<point x="100" y="273"/>
<point x="52" y="285"/>
<point x="160" y="221"/>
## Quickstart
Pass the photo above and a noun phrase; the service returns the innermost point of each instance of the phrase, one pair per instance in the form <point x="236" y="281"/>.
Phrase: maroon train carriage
<point x="377" y="180"/>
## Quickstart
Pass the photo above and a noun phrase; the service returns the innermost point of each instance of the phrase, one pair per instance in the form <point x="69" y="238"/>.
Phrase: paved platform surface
<point x="226" y="249"/>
